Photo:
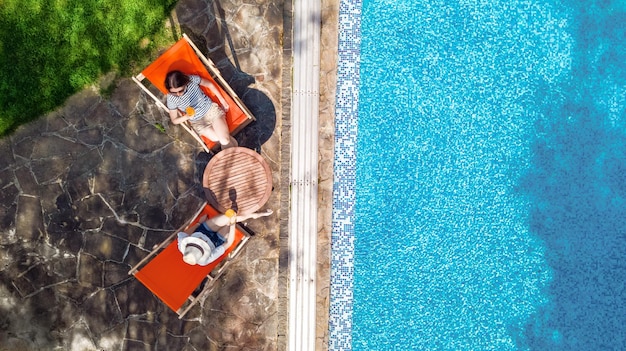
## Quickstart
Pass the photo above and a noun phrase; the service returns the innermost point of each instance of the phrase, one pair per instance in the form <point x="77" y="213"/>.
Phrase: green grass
<point x="50" y="49"/>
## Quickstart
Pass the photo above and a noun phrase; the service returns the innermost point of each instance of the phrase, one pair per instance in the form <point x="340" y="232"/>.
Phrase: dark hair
<point x="175" y="79"/>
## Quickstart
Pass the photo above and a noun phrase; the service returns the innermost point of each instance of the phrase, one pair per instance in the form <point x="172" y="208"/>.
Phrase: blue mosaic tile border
<point x="346" y="106"/>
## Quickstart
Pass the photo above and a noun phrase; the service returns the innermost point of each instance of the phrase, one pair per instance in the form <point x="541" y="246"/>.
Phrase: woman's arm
<point x="178" y="118"/>
<point x="213" y="89"/>
<point x="254" y="215"/>
<point x="231" y="233"/>
<point x="192" y="229"/>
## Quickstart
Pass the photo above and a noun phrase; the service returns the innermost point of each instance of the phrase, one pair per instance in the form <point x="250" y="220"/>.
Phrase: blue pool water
<point x="487" y="206"/>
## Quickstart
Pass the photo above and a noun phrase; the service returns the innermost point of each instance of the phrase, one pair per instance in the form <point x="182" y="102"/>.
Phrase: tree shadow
<point x="577" y="187"/>
<point x="214" y="45"/>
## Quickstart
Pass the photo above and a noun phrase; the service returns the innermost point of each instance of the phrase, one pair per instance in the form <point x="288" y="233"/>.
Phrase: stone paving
<point x="88" y="189"/>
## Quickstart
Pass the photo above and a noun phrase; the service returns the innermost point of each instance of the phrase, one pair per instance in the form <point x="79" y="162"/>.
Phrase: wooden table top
<point x="237" y="178"/>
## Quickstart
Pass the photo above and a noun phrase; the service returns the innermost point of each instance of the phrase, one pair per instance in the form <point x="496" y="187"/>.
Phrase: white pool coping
<point x="304" y="176"/>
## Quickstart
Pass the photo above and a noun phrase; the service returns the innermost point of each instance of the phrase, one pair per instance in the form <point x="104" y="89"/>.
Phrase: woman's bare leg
<point x="218" y="222"/>
<point x="220" y="127"/>
<point x="210" y="133"/>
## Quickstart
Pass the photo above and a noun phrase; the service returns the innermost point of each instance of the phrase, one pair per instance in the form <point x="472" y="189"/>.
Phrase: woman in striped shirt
<point x="206" y="116"/>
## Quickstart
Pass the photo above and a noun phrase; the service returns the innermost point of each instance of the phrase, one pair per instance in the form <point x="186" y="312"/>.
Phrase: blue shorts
<point x="216" y="239"/>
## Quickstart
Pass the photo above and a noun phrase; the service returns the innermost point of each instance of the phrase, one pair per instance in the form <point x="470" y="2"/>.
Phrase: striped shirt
<point x="193" y="97"/>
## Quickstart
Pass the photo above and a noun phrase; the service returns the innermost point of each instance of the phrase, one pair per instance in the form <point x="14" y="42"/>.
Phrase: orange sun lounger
<point x="185" y="57"/>
<point x="172" y="280"/>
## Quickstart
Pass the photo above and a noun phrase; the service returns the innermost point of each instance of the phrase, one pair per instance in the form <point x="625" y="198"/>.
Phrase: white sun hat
<point x="195" y="248"/>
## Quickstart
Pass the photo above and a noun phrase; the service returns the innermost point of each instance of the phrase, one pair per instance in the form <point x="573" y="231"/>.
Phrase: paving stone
<point x="6" y="154"/>
<point x="90" y="271"/>
<point x="51" y="169"/>
<point x="23" y="286"/>
<point x="260" y="244"/>
<point x="188" y="10"/>
<point x="91" y="136"/>
<point x="186" y="206"/>
<point x="101" y="311"/>
<point x="154" y="238"/>
<point x="126" y="217"/>
<point x="29" y="222"/>
<point x="54" y="194"/>
<point x="115" y="273"/>
<point x="199" y="340"/>
<point x="136" y="299"/>
<point x="151" y="215"/>
<point x="40" y="275"/>
<point x="57" y="123"/>
<point x="26" y="181"/>
<point x="111" y="154"/>
<point x="47" y="146"/>
<point x="111" y="339"/>
<point x="105" y="247"/>
<point x="125" y="97"/>
<point x="7" y="224"/>
<point x="142" y="331"/>
<point x="78" y="105"/>
<point x="180" y="327"/>
<point x="90" y="212"/>
<point x="142" y="137"/>
<point x="78" y="188"/>
<point x="166" y="341"/>
<point x="125" y="231"/>
<point x="84" y="163"/>
<point x="138" y="171"/>
<point x="64" y="232"/>
<point x="75" y="293"/>
<point x="263" y="271"/>
<point x="23" y="150"/>
<point x="63" y="268"/>
<point x="133" y="345"/>
<point x="104" y="182"/>
<point x="80" y="338"/>
<point x="249" y="307"/>
<point x="8" y="184"/>
<point x="134" y="255"/>
<point x="99" y="115"/>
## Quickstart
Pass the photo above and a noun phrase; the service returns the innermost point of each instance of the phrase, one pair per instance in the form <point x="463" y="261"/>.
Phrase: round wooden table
<point x="237" y="178"/>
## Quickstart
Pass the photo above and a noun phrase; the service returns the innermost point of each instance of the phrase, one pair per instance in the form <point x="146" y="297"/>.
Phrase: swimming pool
<point x="479" y="197"/>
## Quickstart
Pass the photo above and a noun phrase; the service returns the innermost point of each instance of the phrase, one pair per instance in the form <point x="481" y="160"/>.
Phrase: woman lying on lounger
<point x="208" y="240"/>
<point x="206" y="116"/>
